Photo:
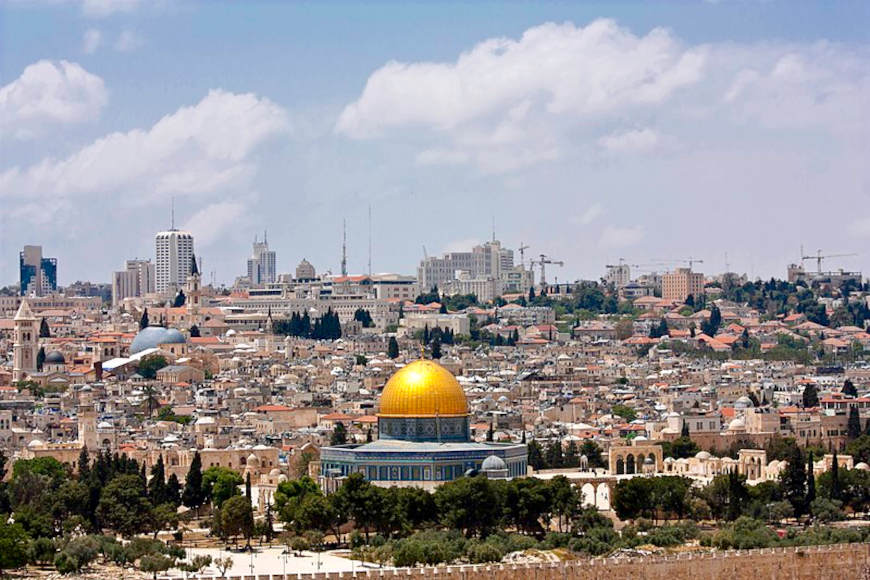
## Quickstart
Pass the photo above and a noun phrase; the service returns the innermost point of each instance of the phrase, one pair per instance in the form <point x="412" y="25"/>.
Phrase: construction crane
<point x="819" y="257"/>
<point x="544" y="260"/>
<point x="523" y="249"/>
<point x="690" y="261"/>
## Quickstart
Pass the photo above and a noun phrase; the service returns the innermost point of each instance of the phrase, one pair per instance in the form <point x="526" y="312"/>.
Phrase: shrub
<point x="42" y="551"/>
<point x="483" y="552"/>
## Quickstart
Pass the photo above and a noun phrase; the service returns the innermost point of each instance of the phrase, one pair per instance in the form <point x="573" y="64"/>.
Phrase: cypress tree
<point x="84" y="464"/>
<point x="44" y="332"/>
<point x="835" y="477"/>
<point x="794" y="481"/>
<point x="810" y="396"/>
<point x="393" y="348"/>
<point x="192" y="496"/>
<point x="194" y="331"/>
<point x="369" y="437"/>
<point x="248" y="486"/>
<point x="40" y="358"/>
<point x="811" y="481"/>
<point x="536" y="455"/>
<point x="684" y="431"/>
<point x="173" y="490"/>
<point x="490" y="433"/>
<point x="143" y="322"/>
<point x="853" y="426"/>
<point x="436" y="349"/>
<point x="157" y="485"/>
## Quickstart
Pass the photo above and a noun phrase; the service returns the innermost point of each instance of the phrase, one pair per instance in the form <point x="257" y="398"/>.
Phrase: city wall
<point x="805" y="563"/>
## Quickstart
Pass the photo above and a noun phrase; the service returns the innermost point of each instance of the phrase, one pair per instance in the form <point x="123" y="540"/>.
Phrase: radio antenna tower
<point x="344" y="247"/>
<point x="370" y="240"/>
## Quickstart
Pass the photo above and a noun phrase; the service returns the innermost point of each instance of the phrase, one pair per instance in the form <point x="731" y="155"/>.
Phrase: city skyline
<point x="737" y="117"/>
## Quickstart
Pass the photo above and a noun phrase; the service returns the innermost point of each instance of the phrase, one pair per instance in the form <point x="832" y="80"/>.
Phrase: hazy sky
<point x="589" y="131"/>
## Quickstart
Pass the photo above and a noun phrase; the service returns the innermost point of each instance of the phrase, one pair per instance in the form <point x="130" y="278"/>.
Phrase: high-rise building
<point x="618" y="275"/>
<point x="485" y="261"/>
<point x="174" y="250"/>
<point x="38" y="274"/>
<point x="138" y="278"/>
<point x="682" y="283"/>
<point x="262" y="267"/>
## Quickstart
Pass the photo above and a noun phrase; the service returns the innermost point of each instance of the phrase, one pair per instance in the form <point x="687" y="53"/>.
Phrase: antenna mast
<point x="344" y="247"/>
<point x="370" y="240"/>
<point x="172" y="213"/>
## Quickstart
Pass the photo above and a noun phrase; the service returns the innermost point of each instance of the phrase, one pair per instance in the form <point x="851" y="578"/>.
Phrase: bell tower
<point x="194" y="291"/>
<point x="25" y="342"/>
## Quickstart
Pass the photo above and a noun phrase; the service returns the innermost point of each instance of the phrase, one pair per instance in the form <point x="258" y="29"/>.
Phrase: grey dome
<point x="493" y="463"/>
<point x="55" y="357"/>
<point x="154" y="335"/>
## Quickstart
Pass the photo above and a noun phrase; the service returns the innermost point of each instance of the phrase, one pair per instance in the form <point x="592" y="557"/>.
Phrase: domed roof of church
<point x="153" y="336"/>
<point x="423" y="388"/>
<point x="55" y="357"/>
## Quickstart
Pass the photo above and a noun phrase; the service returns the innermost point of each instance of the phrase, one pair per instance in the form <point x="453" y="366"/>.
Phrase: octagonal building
<point x="424" y="435"/>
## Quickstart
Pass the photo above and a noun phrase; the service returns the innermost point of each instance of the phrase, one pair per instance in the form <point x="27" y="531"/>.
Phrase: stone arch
<point x="620" y="465"/>
<point x="587" y="495"/>
<point x="630" y="466"/>
<point x="602" y="497"/>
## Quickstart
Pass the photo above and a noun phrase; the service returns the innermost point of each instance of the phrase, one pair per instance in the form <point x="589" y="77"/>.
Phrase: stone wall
<point x="805" y="563"/>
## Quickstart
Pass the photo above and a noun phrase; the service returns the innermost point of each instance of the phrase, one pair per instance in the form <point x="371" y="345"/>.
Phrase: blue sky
<point x="590" y="131"/>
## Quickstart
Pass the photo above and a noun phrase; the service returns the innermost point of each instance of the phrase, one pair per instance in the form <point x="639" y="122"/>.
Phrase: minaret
<point x="25" y="342"/>
<point x="343" y="247"/>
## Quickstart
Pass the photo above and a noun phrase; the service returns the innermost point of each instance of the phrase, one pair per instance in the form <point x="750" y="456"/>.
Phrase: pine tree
<point x="194" y="331"/>
<point x="536" y="455"/>
<point x="531" y="293"/>
<point x="192" y="496"/>
<point x="339" y="434"/>
<point x="393" y="348"/>
<point x="849" y="389"/>
<point x="571" y="458"/>
<point x="44" y="331"/>
<point x="853" y="426"/>
<point x="143" y="322"/>
<point x="179" y="299"/>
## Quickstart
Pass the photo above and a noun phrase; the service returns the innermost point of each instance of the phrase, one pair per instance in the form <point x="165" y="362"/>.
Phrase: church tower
<point x="25" y="342"/>
<point x="194" y="291"/>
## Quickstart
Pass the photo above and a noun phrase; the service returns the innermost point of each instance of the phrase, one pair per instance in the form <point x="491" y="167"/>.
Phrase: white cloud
<point x="103" y="8"/>
<point x="560" y="67"/>
<point x="208" y="224"/>
<point x="635" y="141"/>
<point x="591" y="214"/>
<point x="49" y="93"/>
<point x="561" y="92"/>
<point x="128" y="40"/>
<point x="619" y="237"/>
<point x="91" y="40"/>
<point x="200" y="149"/>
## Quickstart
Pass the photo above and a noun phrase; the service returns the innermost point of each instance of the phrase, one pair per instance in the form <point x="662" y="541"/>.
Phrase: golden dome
<point x="423" y="388"/>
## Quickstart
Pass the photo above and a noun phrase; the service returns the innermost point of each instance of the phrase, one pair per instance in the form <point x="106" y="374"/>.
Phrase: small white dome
<point x="493" y="463"/>
<point x="35" y="443"/>
<point x="862" y="466"/>
<point x="702" y="455"/>
<point x="737" y="424"/>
